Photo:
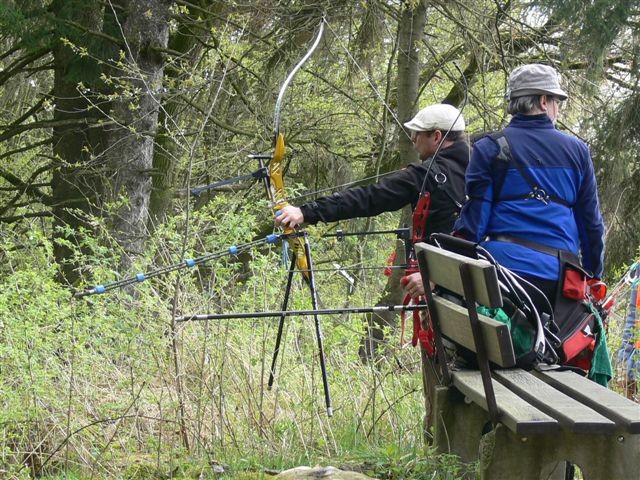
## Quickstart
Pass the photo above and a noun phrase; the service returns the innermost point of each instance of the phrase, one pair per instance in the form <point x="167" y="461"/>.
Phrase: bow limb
<point x="283" y="89"/>
<point x="276" y="178"/>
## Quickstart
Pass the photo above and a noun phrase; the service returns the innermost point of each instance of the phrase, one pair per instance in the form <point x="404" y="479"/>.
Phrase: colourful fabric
<point x="629" y="353"/>
<point x="601" y="371"/>
<point x="521" y="339"/>
<point x="560" y="165"/>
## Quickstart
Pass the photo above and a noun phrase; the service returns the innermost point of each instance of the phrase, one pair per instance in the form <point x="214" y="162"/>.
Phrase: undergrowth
<point x="108" y="386"/>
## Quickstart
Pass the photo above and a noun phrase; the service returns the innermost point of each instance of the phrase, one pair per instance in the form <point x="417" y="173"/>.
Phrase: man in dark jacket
<point x="437" y="133"/>
<point x="437" y="128"/>
<point x="544" y="201"/>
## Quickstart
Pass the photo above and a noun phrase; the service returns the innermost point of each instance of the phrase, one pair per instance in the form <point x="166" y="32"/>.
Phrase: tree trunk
<point x="130" y="144"/>
<point x="410" y="32"/>
<point x="74" y="184"/>
<point x="106" y="170"/>
<point x="165" y="156"/>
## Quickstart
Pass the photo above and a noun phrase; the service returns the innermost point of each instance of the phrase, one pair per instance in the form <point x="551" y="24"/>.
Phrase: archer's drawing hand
<point x="289" y="216"/>
<point x="413" y="285"/>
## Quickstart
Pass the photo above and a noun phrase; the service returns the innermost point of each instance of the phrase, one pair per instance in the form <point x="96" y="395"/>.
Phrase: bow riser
<point x="279" y="201"/>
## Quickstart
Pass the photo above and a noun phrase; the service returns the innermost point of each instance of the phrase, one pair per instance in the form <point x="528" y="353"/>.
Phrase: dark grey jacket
<point x="445" y="182"/>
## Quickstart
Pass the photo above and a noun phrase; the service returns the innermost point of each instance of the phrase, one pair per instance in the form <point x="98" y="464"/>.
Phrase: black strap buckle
<point x="538" y="193"/>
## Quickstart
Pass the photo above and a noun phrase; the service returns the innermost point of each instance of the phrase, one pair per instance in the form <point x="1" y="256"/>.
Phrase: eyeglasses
<point x="557" y="100"/>
<point x="415" y="133"/>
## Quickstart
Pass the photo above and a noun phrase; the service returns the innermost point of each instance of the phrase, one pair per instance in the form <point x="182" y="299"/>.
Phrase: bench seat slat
<point x="624" y="412"/>
<point x="519" y="416"/>
<point x="454" y="324"/>
<point x="444" y="270"/>
<point x="573" y="416"/>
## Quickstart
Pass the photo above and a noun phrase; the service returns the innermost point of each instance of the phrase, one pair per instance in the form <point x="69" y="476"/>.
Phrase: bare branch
<point x="16" y="66"/>
<point x="17" y="218"/>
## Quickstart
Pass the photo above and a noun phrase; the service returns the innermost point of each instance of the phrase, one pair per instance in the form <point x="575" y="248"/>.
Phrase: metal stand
<point x="310" y="280"/>
<point x="276" y="350"/>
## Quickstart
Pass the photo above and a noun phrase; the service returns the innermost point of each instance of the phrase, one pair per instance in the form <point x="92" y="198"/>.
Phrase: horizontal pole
<point x="399" y="232"/>
<point x="294" y="313"/>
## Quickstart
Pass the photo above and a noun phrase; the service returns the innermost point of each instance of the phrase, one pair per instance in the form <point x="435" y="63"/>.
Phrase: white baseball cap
<point x="439" y="116"/>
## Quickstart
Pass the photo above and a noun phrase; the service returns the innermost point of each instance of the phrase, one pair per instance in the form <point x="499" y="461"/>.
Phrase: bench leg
<point x="507" y="455"/>
<point x="502" y="455"/>
<point x="457" y="425"/>
<point x="602" y="456"/>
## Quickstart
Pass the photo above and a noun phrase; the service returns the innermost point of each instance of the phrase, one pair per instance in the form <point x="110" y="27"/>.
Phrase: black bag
<point x="519" y="299"/>
<point x="563" y="335"/>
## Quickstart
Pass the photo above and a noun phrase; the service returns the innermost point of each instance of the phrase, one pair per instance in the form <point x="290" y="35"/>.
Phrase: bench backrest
<point x="442" y="267"/>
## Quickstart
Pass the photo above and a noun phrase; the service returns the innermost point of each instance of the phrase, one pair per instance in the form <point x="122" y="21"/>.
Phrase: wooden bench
<point x="517" y="424"/>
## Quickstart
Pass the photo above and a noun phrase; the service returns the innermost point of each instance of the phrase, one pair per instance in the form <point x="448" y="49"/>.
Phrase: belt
<point x="555" y="252"/>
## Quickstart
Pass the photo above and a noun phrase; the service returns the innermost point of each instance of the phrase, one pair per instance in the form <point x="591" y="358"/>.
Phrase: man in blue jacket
<point x="544" y="198"/>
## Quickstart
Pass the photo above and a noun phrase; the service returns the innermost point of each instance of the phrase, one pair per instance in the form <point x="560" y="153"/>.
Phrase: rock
<point x="320" y="473"/>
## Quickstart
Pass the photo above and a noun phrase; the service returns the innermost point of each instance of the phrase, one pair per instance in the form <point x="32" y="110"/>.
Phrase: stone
<point x="320" y="473"/>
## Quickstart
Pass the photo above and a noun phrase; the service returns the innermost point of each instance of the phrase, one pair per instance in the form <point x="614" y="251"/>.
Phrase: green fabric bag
<point x="521" y="338"/>
<point x="601" y="370"/>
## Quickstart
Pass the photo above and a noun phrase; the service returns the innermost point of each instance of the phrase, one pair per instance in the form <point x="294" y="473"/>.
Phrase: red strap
<point x="419" y="218"/>
<point x="387" y="270"/>
<point x="426" y="337"/>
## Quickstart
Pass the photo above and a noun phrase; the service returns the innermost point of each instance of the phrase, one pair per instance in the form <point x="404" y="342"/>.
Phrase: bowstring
<point x="444" y="137"/>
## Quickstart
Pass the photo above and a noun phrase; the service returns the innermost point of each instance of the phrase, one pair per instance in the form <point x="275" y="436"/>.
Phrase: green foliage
<point x="597" y="23"/>
<point x="25" y="21"/>
<point x="108" y="386"/>
<point x="97" y="375"/>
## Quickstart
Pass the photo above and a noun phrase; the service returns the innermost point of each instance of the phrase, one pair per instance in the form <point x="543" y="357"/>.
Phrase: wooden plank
<point x="444" y="270"/>
<point x="624" y="412"/>
<point x="571" y="414"/>
<point x="455" y="325"/>
<point x="515" y="413"/>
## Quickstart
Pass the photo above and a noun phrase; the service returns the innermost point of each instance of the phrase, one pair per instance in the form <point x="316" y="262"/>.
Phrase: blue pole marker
<point x="187" y="263"/>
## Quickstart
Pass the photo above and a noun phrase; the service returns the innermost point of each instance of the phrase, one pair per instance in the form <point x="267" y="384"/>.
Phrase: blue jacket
<point x="560" y="165"/>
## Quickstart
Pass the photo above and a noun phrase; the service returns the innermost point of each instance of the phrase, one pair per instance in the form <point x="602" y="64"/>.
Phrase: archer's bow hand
<point x="289" y="217"/>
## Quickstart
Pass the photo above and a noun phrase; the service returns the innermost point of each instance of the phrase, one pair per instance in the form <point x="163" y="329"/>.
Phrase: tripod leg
<point x="276" y="350"/>
<point x="314" y="302"/>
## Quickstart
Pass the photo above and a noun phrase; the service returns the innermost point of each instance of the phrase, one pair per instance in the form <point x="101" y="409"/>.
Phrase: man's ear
<point x="544" y="102"/>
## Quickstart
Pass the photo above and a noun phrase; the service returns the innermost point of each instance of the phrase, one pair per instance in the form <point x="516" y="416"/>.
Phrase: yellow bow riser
<point x="279" y="198"/>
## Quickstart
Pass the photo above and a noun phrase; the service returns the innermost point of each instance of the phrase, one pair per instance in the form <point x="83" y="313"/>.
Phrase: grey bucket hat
<point x="535" y="79"/>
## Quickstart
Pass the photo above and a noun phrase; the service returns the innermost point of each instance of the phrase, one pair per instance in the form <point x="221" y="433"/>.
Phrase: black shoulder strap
<point x="442" y="182"/>
<point x="506" y="158"/>
<point x="502" y="161"/>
